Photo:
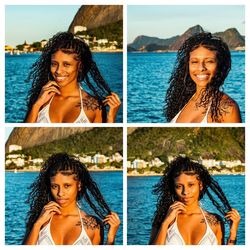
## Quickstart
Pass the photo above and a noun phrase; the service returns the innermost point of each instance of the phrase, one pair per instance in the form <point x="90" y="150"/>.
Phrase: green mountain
<point x="208" y="143"/>
<point x="103" y="140"/>
<point x="112" y="32"/>
<point x="101" y="21"/>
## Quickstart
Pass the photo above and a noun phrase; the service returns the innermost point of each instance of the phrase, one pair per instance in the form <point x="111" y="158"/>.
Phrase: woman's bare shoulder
<point x="213" y="219"/>
<point x="90" y="102"/>
<point x="94" y="228"/>
<point x="90" y="221"/>
<point x="229" y="109"/>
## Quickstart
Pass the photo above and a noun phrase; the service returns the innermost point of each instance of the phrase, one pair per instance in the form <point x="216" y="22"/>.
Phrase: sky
<point x="36" y="22"/>
<point x="8" y="130"/>
<point x="165" y="21"/>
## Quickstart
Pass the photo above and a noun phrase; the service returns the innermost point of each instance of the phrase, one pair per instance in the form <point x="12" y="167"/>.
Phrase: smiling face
<point x="187" y="188"/>
<point x="64" y="189"/>
<point x="202" y="66"/>
<point x="64" y="68"/>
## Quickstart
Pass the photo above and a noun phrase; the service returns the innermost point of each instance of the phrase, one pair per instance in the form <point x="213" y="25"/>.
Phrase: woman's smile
<point x="59" y="79"/>
<point x="202" y="66"/>
<point x="64" y="68"/>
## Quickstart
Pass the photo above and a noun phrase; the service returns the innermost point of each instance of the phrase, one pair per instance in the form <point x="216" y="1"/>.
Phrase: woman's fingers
<point x="52" y="206"/>
<point x="112" y="100"/>
<point x="178" y="206"/>
<point x="51" y="89"/>
<point x="233" y="215"/>
<point x="50" y="83"/>
<point x="112" y="219"/>
<point x="52" y="203"/>
<point x="48" y="211"/>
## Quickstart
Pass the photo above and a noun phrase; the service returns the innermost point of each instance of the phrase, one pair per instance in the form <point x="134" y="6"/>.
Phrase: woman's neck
<point x="192" y="208"/>
<point x="70" y="89"/>
<point x="199" y="91"/>
<point x="69" y="210"/>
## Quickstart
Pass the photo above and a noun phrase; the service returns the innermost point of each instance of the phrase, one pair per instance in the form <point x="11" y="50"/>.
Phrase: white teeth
<point x="202" y="77"/>
<point x="60" y="78"/>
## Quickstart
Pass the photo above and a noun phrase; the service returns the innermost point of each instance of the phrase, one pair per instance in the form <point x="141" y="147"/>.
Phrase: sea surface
<point x="17" y="68"/>
<point x="17" y="189"/>
<point x="141" y="205"/>
<point x="148" y="75"/>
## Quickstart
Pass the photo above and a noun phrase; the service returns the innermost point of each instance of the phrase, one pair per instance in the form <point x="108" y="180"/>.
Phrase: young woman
<point x="194" y="95"/>
<point x="55" y="216"/>
<point x="179" y="218"/>
<point x="56" y="94"/>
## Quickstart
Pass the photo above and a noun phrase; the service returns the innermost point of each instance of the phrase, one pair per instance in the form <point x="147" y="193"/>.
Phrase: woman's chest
<point x="192" y="113"/>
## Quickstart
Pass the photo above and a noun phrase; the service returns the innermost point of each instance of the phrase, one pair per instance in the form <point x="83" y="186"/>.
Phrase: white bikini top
<point x="45" y="237"/>
<point x="204" y="120"/>
<point x="174" y="236"/>
<point x="43" y="115"/>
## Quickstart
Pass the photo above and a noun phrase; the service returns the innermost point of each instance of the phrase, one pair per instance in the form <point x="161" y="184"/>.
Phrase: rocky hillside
<point x="29" y="137"/>
<point x="94" y="16"/>
<point x="232" y="37"/>
<point x="208" y="143"/>
<point x="145" y="43"/>
<point x="46" y="141"/>
<point x="180" y="40"/>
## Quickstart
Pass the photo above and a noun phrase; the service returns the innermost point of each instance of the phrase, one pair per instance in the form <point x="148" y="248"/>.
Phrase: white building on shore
<point x="14" y="147"/>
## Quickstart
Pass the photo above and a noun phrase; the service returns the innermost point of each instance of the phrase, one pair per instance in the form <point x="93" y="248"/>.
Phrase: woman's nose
<point x="184" y="191"/>
<point x="201" y="66"/>
<point x="59" y="69"/>
<point x="60" y="192"/>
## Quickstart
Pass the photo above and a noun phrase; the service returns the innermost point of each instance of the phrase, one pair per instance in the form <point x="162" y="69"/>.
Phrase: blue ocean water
<point x="148" y="75"/>
<point x="17" y="68"/>
<point x="141" y="205"/>
<point x="16" y="192"/>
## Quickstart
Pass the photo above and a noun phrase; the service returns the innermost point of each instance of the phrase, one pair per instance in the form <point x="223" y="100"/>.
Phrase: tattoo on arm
<point x="89" y="103"/>
<point x="225" y="105"/>
<point x="211" y="219"/>
<point x="88" y="222"/>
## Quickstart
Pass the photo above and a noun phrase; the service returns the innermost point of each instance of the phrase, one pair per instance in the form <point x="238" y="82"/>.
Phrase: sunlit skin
<point x="202" y="68"/>
<point x="64" y="88"/>
<point x="186" y="208"/>
<point x="64" y="69"/>
<point x="63" y="213"/>
<point x="64" y="189"/>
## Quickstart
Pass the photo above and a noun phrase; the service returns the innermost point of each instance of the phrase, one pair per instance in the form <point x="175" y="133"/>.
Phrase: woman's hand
<point x="234" y="218"/>
<point x="158" y="236"/>
<point x="175" y="209"/>
<point x="47" y="92"/>
<point x="48" y="211"/>
<point x="114" y="223"/>
<point x="114" y="104"/>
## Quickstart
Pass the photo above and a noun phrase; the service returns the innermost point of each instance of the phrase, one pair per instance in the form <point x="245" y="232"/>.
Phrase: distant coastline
<point x="172" y="51"/>
<point x="40" y="52"/>
<point x="155" y="174"/>
<point x="36" y="170"/>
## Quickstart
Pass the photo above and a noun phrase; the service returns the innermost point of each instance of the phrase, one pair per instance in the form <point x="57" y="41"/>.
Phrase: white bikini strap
<point x="208" y="108"/>
<point x="80" y="90"/>
<point x="204" y="216"/>
<point x="50" y="100"/>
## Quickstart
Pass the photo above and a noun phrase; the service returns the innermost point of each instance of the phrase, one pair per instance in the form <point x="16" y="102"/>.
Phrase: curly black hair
<point x="165" y="190"/>
<point x="88" y="72"/>
<point x="40" y="193"/>
<point x="182" y="87"/>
